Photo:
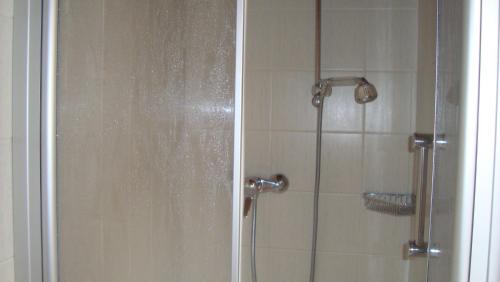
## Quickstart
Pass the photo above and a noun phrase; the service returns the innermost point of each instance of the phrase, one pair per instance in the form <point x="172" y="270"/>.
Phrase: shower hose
<point x="254" y="234"/>
<point x="315" y="209"/>
<point x="319" y="125"/>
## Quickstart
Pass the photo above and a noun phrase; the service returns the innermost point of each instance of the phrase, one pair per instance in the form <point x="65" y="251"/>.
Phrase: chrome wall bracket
<point x="256" y="185"/>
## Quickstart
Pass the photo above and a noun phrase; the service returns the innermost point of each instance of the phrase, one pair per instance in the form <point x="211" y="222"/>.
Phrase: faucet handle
<point x="247" y="206"/>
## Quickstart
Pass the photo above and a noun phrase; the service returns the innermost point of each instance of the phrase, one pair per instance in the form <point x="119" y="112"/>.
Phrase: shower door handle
<point x="420" y="144"/>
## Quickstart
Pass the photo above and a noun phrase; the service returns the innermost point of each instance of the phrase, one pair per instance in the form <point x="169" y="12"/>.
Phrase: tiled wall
<point x="364" y="147"/>
<point x="6" y="239"/>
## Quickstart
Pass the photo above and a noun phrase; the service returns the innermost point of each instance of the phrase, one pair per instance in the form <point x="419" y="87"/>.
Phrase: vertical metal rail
<point x="420" y="144"/>
<point x="238" y="155"/>
<point x="26" y="66"/>
<point x="422" y="184"/>
<point x="48" y="141"/>
<point x="317" y="42"/>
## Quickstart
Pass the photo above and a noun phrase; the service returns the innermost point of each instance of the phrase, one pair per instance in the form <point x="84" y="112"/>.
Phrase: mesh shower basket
<point x="390" y="203"/>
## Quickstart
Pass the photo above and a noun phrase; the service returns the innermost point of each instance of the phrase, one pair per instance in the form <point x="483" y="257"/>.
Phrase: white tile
<point x="343" y="4"/>
<point x="391" y="39"/>
<point x="259" y="39"/>
<point x="417" y="270"/>
<point x="259" y="4"/>
<point x="293" y="46"/>
<point x="6" y="8"/>
<point x="289" y="218"/>
<point x="336" y="267"/>
<point x="5" y="77"/>
<point x="291" y="101"/>
<point x="343" y="39"/>
<point x="257" y="98"/>
<point x="339" y="223"/>
<point x="261" y="264"/>
<point x="257" y="153"/>
<point x="293" y="154"/>
<point x="292" y="4"/>
<point x="391" y="4"/>
<point x="384" y="234"/>
<point x="341" y="112"/>
<point x="386" y="164"/>
<point x="393" y="110"/>
<point x="6" y="236"/>
<point x="383" y="269"/>
<point x="341" y="167"/>
<point x="285" y="266"/>
<point x="7" y="271"/>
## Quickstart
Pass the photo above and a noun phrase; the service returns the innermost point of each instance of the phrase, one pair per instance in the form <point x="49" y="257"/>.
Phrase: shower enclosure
<point x="359" y="189"/>
<point x="150" y="131"/>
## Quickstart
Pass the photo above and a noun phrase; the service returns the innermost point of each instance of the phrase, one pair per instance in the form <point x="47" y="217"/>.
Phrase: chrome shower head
<point x="365" y="92"/>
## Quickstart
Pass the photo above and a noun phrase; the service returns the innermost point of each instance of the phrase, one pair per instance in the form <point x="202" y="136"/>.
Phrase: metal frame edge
<point x="48" y="140"/>
<point x="238" y="164"/>
<point x="26" y="64"/>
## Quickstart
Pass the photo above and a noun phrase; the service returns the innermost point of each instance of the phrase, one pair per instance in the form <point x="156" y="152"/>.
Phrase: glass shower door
<point x="446" y="153"/>
<point x="144" y="140"/>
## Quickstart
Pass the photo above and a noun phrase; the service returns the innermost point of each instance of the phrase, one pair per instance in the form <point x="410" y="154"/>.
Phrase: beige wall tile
<point x="386" y="164"/>
<point x="293" y="43"/>
<point x="384" y="269"/>
<point x="291" y="101"/>
<point x="344" y="40"/>
<point x="384" y="234"/>
<point x="7" y="270"/>
<point x="336" y="267"/>
<point x="6" y="237"/>
<point x="394" y="109"/>
<point x="260" y="37"/>
<point x="289" y="220"/>
<point x="6" y="8"/>
<point x="341" y="112"/>
<point x="343" y="4"/>
<point x="5" y="74"/>
<point x="391" y="40"/>
<point x="258" y="100"/>
<point x="339" y="223"/>
<point x="258" y="153"/>
<point x="285" y="266"/>
<point x="341" y="167"/>
<point x="293" y="153"/>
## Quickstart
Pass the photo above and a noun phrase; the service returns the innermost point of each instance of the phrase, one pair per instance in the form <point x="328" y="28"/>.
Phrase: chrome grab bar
<point x="420" y="143"/>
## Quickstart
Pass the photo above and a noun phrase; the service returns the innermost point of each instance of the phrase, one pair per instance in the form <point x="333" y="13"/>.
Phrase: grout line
<point x="326" y="193"/>
<point x="332" y="252"/>
<point x="332" y="132"/>
<point x="7" y="260"/>
<point x="327" y="69"/>
<point x="340" y="9"/>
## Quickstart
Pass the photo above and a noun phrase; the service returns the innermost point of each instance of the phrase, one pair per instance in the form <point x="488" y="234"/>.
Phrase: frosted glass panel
<point x="144" y="140"/>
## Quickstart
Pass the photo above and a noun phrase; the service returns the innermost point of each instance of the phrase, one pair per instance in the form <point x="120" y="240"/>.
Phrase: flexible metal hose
<point x="253" y="238"/>
<point x="319" y="127"/>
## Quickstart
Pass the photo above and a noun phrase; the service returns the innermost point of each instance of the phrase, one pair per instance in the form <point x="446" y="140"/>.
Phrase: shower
<point x="364" y="92"/>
